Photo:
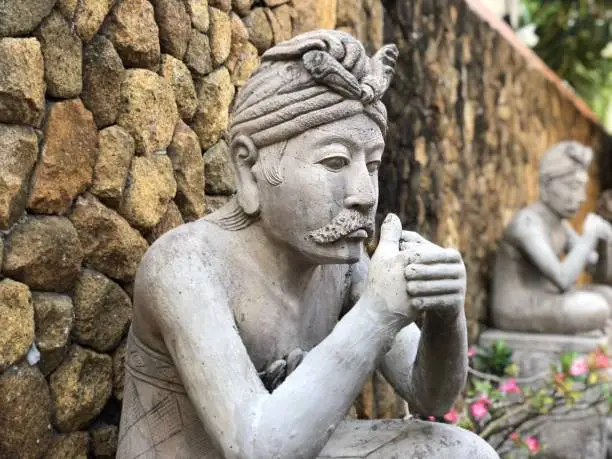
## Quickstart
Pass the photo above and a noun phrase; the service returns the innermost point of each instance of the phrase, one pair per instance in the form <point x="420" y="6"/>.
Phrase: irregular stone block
<point x="53" y="316"/>
<point x="314" y="14"/>
<point x="151" y="187"/>
<point x="104" y="440"/>
<point x="18" y="153"/>
<point x="102" y="311"/>
<point x="215" y="202"/>
<point x="22" y="81"/>
<point x="171" y="219"/>
<point x="132" y="29"/>
<point x="110" y="244"/>
<point x="22" y="17"/>
<point x="72" y="445"/>
<point x="272" y="3"/>
<point x="277" y="31"/>
<point x="240" y="34"/>
<point x="17" y="331"/>
<point x="117" y="148"/>
<point x="68" y="156"/>
<point x="25" y="413"/>
<point x="219" y="171"/>
<point x="242" y="62"/>
<point x="148" y="110"/>
<point x="220" y="35"/>
<point x="178" y="76"/>
<point x="285" y="15"/>
<point x="198" y="57"/>
<point x="260" y="30"/>
<point x="43" y="252"/>
<point x="188" y="165"/>
<point x="198" y="10"/>
<point x="223" y="5"/>
<point x="80" y="387"/>
<point x="119" y="369"/>
<point x="215" y="95"/>
<point x="63" y="55"/>
<point x="174" y="26"/>
<point x="87" y="15"/>
<point x="103" y="73"/>
<point x="242" y="7"/>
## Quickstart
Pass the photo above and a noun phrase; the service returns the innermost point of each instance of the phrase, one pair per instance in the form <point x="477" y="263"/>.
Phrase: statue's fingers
<point x="435" y="287"/>
<point x="429" y="254"/>
<point x="412" y="236"/>
<point x="437" y="302"/>
<point x="435" y="271"/>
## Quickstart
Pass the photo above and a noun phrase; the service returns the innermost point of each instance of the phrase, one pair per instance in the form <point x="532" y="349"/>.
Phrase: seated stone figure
<point x="541" y="257"/>
<point x="256" y="327"/>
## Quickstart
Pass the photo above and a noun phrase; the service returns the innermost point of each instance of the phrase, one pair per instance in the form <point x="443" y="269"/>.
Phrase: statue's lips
<point x="357" y="234"/>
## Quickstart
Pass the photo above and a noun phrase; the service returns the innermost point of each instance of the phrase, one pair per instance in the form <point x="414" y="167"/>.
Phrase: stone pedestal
<point x="567" y="435"/>
<point x="387" y="439"/>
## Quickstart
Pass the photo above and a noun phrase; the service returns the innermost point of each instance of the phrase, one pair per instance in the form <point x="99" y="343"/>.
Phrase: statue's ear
<point x="245" y="154"/>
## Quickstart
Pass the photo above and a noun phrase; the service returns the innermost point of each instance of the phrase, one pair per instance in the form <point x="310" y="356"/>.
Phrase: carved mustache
<point x="347" y="221"/>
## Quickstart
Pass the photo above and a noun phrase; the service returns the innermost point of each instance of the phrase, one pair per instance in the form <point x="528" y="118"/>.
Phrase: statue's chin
<point x="344" y="251"/>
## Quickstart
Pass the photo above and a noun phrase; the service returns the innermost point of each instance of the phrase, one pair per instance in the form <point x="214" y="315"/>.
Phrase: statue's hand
<point x="436" y="277"/>
<point x="601" y="228"/>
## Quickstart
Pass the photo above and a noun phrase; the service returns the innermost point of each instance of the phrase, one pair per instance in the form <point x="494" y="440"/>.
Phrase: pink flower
<point x="431" y="418"/>
<point x="579" y="367"/>
<point x="451" y="416"/>
<point x="471" y="351"/>
<point x="509" y="387"/>
<point x="515" y="437"/>
<point x="601" y="360"/>
<point x="533" y="445"/>
<point x="480" y="407"/>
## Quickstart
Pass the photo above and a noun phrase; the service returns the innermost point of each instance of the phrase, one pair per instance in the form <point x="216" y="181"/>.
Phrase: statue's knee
<point x="479" y="448"/>
<point x="586" y="310"/>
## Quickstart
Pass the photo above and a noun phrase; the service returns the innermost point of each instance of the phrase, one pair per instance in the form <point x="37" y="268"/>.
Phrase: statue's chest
<point x="272" y="326"/>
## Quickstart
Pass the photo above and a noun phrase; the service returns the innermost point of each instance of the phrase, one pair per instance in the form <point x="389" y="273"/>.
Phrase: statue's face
<point x="328" y="172"/>
<point x="565" y="195"/>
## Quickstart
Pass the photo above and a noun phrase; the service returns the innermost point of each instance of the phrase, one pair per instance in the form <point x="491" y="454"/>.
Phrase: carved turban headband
<point x="564" y="158"/>
<point x="315" y="78"/>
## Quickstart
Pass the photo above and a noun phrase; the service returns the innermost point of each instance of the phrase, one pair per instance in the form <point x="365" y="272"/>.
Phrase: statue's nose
<point x="360" y="201"/>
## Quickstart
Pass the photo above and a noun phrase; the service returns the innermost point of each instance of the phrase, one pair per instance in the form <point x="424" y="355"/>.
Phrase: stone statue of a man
<point x="540" y="256"/>
<point x="256" y="327"/>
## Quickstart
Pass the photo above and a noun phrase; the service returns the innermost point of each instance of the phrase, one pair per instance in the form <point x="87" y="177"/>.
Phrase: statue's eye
<point x="373" y="167"/>
<point x="335" y="163"/>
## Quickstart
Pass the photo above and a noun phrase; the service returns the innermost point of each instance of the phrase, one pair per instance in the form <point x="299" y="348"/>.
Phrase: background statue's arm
<point x="531" y="240"/>
<point x="428" y="367"/>
<point x="243" y="419"/>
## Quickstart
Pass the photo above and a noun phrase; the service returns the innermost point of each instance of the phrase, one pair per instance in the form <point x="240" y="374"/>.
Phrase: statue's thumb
<point x="390" y="235"/>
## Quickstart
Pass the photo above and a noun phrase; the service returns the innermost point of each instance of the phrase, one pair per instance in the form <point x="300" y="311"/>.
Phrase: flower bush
<point x="501" y="407"/>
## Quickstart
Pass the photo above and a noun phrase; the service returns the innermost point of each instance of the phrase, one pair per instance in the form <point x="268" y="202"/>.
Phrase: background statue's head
<point x="306" y="137"/>
<point x="563" y="177"/>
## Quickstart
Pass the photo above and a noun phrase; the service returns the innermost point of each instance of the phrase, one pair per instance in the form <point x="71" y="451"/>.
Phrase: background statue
<point x="541" y="257"/>
<point x="255" y="328"/>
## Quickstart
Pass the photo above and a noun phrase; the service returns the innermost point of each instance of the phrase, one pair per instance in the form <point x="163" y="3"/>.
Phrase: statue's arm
<point x="528" y="235"/>
<point x="427" y="367"/>
<point x="573" y="238"/>
<point x="296" y="420"/>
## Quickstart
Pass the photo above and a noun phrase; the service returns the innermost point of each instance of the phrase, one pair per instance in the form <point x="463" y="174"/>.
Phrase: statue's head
<point x="306" y="137"/>
<point x="563" y="177"/>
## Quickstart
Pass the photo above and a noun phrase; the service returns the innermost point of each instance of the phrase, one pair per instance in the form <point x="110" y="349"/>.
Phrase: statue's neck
<point x="551" y="219"/>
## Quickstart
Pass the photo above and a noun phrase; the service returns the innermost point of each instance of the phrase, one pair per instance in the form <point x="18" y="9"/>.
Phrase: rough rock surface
<point x="87" y="15"/>
<point x="132" y="29"/>
<point x="219" y="171"/>
<point x="171" y="219"/>
<point x="72" y="445"/>
<point x="148" y="110"/>
<point x="119" y="370"/>
<point x="220" y="35"/>
<point x="44" y="253"/>
<point x="174" y="26"/>
<point x="53" y="316"/>
<point x="69" y="152"/>
<point x="151" y="187"/>
<point x="215" y="202"/>
<point x="17" y="331"/>
<point x="21" y="17"/>
<point x="242" y="7"/>
<point x="110" y="244"/>
<point x="80" y="387"/>
<point x="214" y="98"/>
<point x="25" y="413"/>
<point x="188" y="164"/>
<point x="116" y="149"/>
<point x="102" y="76"/>
<point x="260" y="30"/>
<point x="198" y="57"/>
<point x="177" y="75"/>
<point x="18" y="154"/>
<point x="22" y="81"/>
<point x="198" y="10"/>
<point x="104" y="441"/>
<point x="62" y="52"/>
<point x="102" y="311"/>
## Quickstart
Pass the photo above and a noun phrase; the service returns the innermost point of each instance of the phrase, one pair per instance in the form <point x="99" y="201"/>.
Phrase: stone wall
<point x="112" y="131"/>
